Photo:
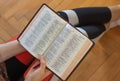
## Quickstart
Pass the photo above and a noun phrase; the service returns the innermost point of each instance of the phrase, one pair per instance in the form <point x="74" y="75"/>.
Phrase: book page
<point x="41" y="31"/>
<point x="64" y="50"/>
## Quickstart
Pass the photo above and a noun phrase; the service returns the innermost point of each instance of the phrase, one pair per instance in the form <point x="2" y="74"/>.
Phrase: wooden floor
<point x="101" y="64"/>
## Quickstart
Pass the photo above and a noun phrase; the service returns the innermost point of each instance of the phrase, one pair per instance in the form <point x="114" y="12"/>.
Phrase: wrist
<point x="18" y="45"/>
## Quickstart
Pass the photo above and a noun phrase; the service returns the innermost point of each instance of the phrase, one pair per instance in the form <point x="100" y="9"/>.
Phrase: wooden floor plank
<point x="117" y="78"/>
<point x="108" y="70"/>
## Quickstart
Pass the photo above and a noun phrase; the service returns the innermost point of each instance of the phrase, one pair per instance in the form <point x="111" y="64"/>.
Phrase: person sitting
<point x="91" y="21"/>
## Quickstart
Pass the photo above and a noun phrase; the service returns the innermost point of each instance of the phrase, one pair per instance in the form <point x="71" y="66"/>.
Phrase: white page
<point x="42" y="31"/>
<point x="64" y="49"/>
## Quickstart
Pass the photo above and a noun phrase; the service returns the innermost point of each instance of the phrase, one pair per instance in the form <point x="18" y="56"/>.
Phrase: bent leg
<point x="88" y="15"/>
<point x="93" y="15"/>
<point x="94" y="32"/>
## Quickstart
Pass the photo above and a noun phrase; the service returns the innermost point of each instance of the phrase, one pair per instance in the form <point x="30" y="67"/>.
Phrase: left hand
<point x="38" y="73"/>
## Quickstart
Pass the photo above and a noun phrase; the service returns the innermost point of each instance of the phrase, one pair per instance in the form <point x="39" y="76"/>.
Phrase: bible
<point x="62" y="45"/>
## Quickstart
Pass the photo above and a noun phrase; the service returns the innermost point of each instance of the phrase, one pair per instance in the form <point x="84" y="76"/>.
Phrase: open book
<point x="62" y="45"/>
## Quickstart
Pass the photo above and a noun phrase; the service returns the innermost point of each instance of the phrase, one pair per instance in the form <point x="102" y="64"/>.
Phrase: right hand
<point x="39" y="73"/>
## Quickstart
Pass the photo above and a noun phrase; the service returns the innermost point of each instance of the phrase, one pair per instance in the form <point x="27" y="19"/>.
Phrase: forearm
<point x="10" y="49"/>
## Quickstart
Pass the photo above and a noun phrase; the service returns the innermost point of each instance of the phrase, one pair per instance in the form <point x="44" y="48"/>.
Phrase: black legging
<point x="91" y="19"/>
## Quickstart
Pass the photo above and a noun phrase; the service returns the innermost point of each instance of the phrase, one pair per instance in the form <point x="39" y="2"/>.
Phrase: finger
<point x="42" y="63"/>
<point x="35" y="64"/>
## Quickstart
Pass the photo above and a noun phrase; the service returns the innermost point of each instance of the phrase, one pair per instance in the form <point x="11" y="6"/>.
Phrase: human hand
<point x="36" y="72"/>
